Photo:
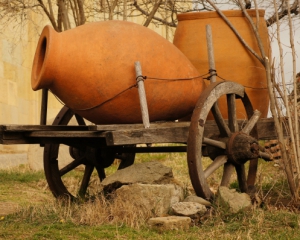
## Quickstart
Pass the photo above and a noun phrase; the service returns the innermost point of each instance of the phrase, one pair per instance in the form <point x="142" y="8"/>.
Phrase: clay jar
<point x="91" y="69"/>
<point x="233" y="61"/>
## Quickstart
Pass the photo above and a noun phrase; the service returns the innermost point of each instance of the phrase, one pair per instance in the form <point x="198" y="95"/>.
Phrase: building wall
<point x="18" y="103"/>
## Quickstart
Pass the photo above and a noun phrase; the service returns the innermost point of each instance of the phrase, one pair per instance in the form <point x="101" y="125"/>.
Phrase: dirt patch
<point x="15" y="196"/>
<point x="8" y="208"/>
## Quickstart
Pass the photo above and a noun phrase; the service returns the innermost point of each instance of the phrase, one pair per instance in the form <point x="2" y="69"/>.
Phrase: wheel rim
<point x="54" y="174"/>
<point x="206" y="103"/>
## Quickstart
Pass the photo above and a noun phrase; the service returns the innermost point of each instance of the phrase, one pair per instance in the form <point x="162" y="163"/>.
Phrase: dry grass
<point x="274" y="216"/>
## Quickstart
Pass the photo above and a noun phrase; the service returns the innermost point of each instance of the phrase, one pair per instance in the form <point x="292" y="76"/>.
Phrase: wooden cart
<point x="230" y="143"/>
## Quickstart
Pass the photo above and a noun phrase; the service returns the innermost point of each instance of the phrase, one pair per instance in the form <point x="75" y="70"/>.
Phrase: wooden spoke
<point x="240" y="170"/>
<point x="251" y="173"/>
<point x="85" y="180"/>
<point x="232" y="118"/>
<point x="223" y="128"/>
<point x="227" y="172"/>
<point x="251" y="123"/>
<point x="71" y="166"/>
<point x="214" y="143"/>
<point x="79" y="120"/>
<point x="218" y="162"/>
<point x="101" y="173"/>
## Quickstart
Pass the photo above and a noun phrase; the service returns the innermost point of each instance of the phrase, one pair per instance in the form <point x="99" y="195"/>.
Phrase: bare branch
<point x="236" y="32"/>
<point x="151" y="15"/>
<point x="171" y="24"/>
<point x="81" y="12"/>
<point x="293" y="9"/>
<point x="75" y="12"/>
<point x="255" y="30"/>
<point x="51" y="17"/>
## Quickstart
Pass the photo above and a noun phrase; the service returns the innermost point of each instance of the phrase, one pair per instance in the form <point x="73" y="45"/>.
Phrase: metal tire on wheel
<point x="226" y="146"/>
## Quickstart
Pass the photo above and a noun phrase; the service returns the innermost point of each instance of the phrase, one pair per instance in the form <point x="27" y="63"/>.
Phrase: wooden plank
<point x="265" y="127"/>
<point x="37" y="137"/>
<point x="93" y="142"/>
<point x="157" y="135"/>
<point x="65" y="134"/>
<point x="138" y="126"/>
<point x="19" y="140"/>
<point x="26" y="128"/>
<point x="266" y="130"/>
<point x="167" y="132"/>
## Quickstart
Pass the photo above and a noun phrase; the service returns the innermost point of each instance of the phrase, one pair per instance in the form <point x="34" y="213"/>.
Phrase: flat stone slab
<point x="188" y="209"/>
<point x="170" y="223"/>
<point x="233" y="200"/>
<point x="147" y="173"/>
<point x="153" y="198"/>
<point x="197" y="199"/>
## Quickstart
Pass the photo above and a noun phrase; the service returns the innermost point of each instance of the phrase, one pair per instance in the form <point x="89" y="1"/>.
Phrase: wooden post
<point x="43" y="120"/>
<point x="142" y="94"/>
<point x="210" y="53"/>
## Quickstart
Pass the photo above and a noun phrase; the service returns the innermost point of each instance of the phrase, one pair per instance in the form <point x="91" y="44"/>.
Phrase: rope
<point x="211" y="72"/>
<point x="138" y="78"/>
<point x="175" y="79"/>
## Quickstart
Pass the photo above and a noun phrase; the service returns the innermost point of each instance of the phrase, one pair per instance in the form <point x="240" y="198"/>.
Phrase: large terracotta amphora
<point x="91" y="69"/>
<point x="233" y="61"/>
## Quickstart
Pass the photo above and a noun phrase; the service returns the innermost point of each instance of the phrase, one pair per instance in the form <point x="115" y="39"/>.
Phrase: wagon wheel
<point x="84" y="157"/>
<point x="231" y="148"/>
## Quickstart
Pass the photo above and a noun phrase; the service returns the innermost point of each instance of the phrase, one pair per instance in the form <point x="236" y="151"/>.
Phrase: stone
<point x="197" y="199"/>
<point x="170" y="223"/>
<point x="153" y="198"/>
<point x="189" y="209"/>
<point x="148" y="173"/>
<point x="233" y="200"/>
<point x="11" y="160"/>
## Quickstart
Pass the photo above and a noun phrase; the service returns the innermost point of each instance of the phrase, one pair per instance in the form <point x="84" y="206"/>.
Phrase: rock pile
<point x="152" y="186"/>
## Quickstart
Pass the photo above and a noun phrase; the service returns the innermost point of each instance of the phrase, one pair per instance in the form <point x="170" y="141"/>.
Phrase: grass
<point x="42" y="217"/>
<point x="50" y="224"/>
<point x="21" y="174"/>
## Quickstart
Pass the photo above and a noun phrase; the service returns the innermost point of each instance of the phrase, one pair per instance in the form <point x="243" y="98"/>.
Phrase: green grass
<point x="21" y="174"/>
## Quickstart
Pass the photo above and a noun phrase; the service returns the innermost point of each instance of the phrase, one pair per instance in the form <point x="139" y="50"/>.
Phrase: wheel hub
<point x="76" y="153"/>
<point x="241" y="148"/>
<point x="101" y="157"/>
